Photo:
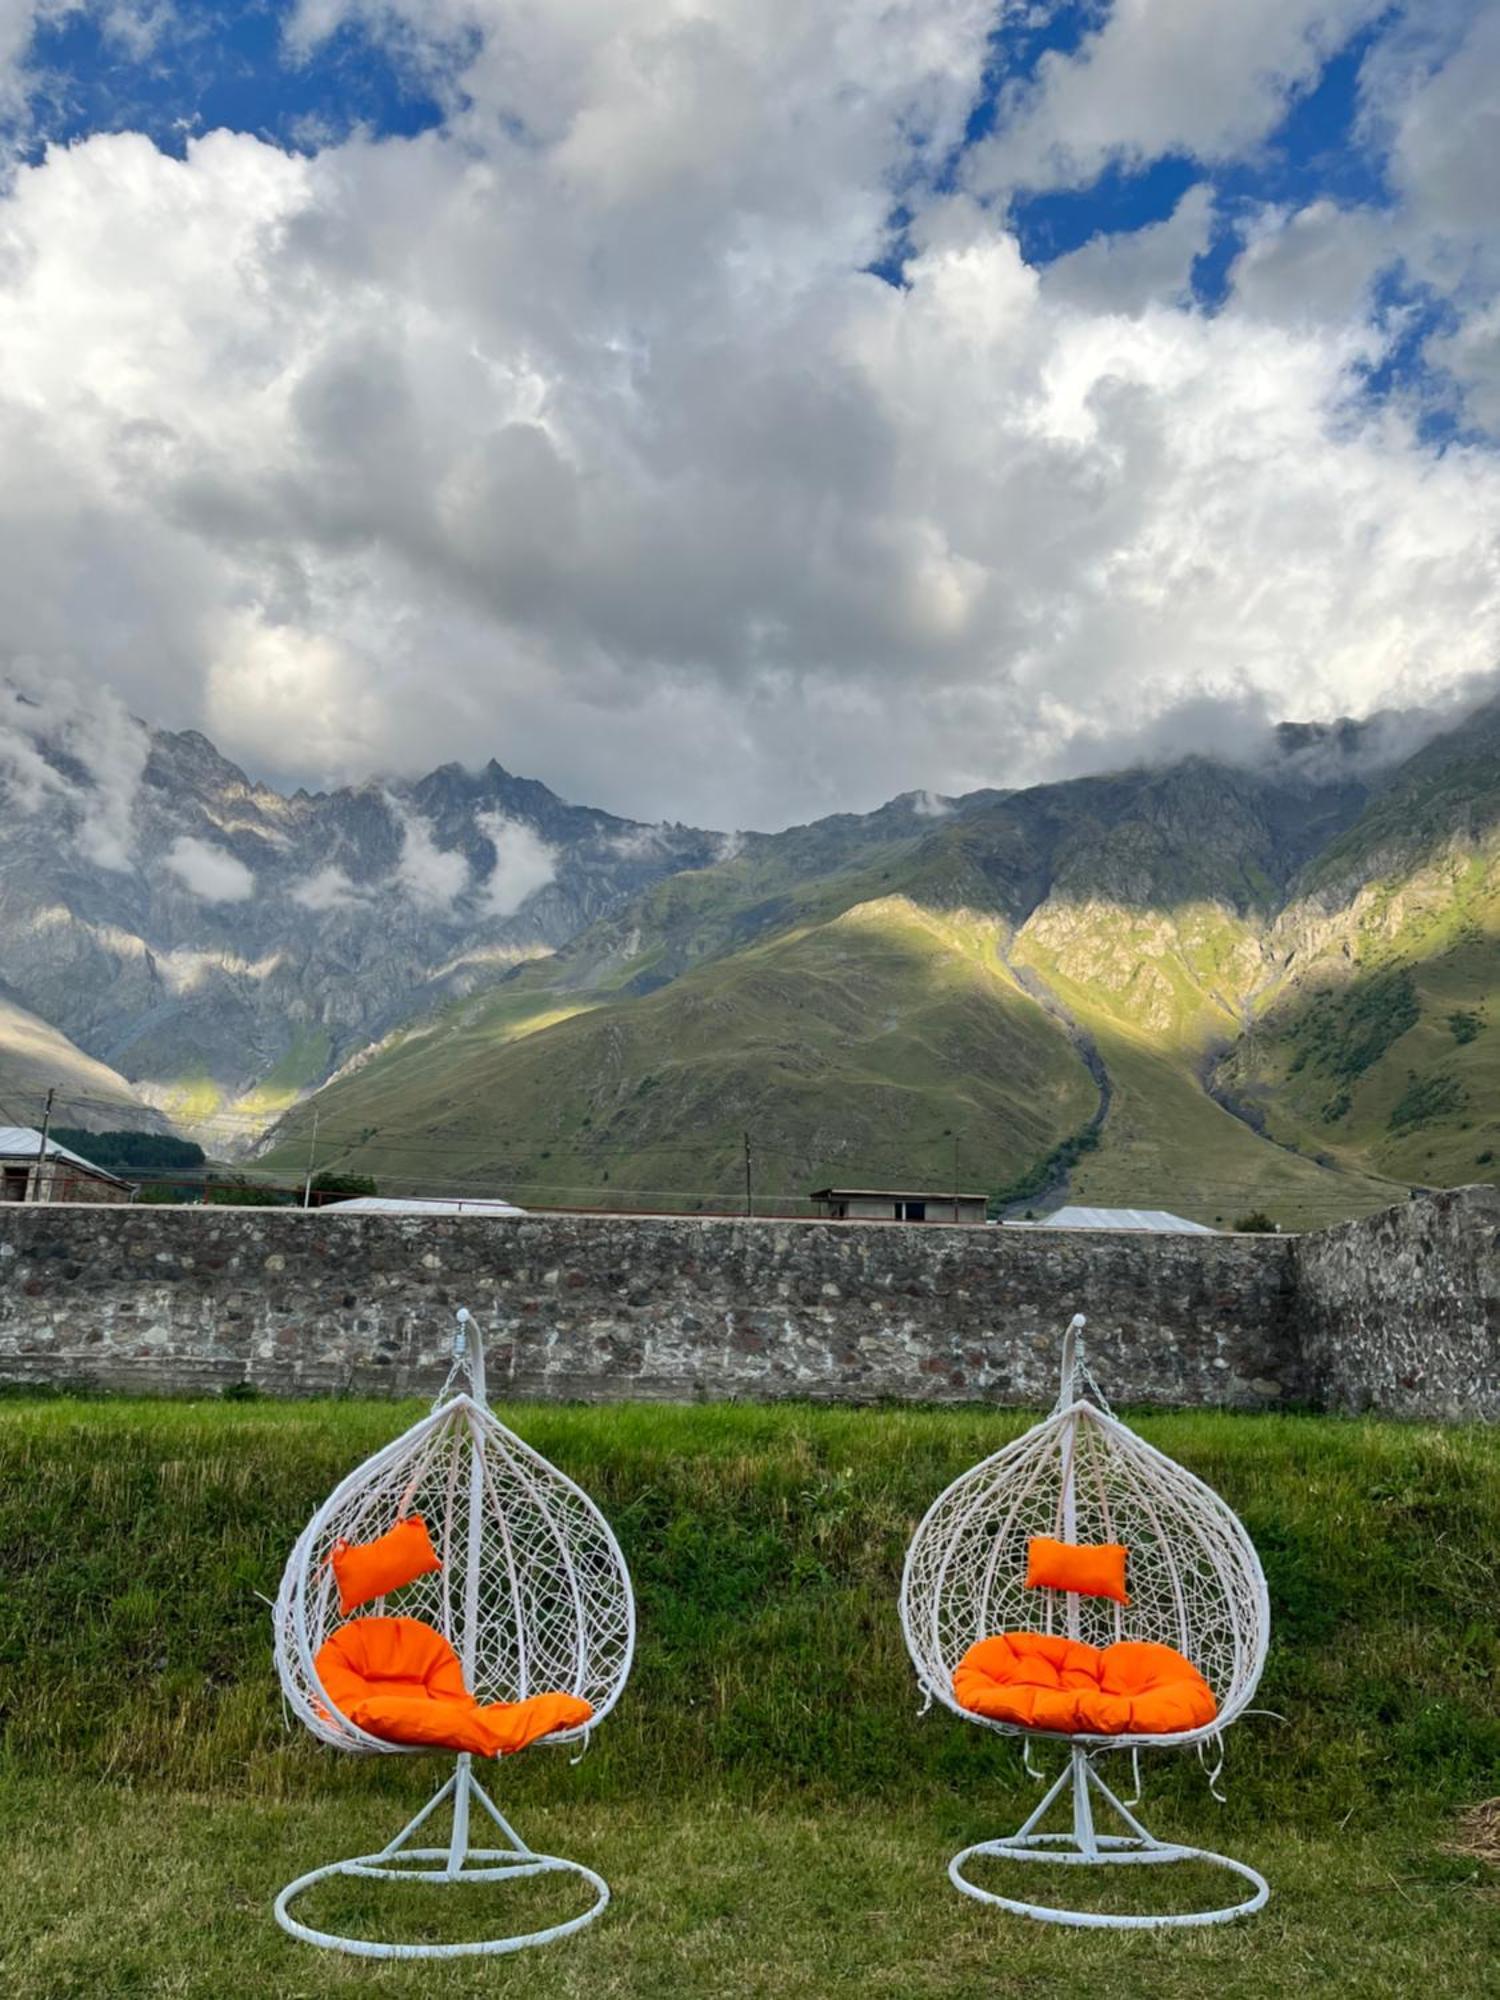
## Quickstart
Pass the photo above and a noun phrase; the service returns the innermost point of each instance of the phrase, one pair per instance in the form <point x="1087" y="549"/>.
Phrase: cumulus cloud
<point x="1163" y="76"/>
<point x="1135" y="270"/>
<point x="580" y="430"/>
<point x="209" y="871"/>
<point x="524" y="862"/>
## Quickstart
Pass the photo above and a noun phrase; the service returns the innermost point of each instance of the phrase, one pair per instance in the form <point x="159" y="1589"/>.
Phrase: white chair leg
<point x="1083" y="1846"/>
<point x="452" y="1866"/>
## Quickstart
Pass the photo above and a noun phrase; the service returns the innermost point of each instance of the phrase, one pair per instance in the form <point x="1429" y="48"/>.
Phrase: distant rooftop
<point x="891" y="1194"/>
<point x="1160" y="1221"/>
<point x="24" y="1142"/>
<point x="390" y="1204"/>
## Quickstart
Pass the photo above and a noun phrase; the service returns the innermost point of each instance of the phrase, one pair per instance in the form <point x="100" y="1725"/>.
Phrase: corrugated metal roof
<point x="391" y="1204"/>
<point x="1161" y="1221"/>
<point x="23" y="1142"/>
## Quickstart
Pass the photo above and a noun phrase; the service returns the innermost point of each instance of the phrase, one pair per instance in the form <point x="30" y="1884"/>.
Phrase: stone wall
<point x="1401" y="1312"/>
<point x="604" y="1307"/>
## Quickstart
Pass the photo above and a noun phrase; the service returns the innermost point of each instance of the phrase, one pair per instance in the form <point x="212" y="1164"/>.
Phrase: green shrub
<point x="332" y="1182"/>
<point x="1426" y="1100"/>
<point x="1343" y="1034"/>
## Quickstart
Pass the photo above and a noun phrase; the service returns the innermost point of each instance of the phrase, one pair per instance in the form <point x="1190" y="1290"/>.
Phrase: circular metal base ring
<point x="1114" y="1850"/>
<point x="507" y="1866"/>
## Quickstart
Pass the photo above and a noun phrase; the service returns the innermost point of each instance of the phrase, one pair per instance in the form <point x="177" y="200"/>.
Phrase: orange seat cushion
<point x="364" y="1570"/>
<point x="400" y="1680"/>
<point x="1093" y="1569"/>
<point x="1038" y="1680"/>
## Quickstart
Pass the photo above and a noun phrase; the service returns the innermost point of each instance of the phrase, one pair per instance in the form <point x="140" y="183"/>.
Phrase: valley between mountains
<point x="1208" y="987"/>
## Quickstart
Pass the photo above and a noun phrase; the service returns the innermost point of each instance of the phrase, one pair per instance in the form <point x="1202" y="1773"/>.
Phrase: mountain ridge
<point x="1099" y="978"/>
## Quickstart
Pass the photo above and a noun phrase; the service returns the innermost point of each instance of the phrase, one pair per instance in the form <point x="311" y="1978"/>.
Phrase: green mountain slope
<point x="1137" y="989"/>
<point x="887" y="1042"/>
<point x="1378" y="1041"/>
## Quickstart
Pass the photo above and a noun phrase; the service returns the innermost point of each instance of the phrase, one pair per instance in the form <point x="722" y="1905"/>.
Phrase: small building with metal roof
<point x="898" y="1205"/>
<point x="30" y="1173"/>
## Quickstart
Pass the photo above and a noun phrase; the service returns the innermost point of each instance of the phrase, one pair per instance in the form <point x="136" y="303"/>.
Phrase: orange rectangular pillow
<point x="1093" y="1569"/>
<point x="364" y="1570"/>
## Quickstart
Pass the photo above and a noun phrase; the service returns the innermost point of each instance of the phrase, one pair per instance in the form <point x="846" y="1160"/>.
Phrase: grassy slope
<point x="1426" y="1106"/>
<point x="772" y="1812"/>
<point x="1150" y="989"/>
<point x="34" y="1056"/>
<point x="868" y="1047"/>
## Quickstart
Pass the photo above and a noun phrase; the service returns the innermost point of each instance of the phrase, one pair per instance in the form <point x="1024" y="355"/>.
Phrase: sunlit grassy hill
<point x="888" y="1041"/>
<point x="1378" y="1040"/>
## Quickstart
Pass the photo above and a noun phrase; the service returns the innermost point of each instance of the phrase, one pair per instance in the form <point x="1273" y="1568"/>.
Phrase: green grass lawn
<point x="774" y="1817"/>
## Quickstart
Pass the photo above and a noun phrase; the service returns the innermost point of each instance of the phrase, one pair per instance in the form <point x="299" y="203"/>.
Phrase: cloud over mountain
<point x="580" y="425"/>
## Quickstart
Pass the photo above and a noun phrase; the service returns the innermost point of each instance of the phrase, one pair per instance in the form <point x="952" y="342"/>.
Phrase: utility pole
<point x="41" y="1151"/>
<point x="955" y="1176"/>
<point x="749" y="1190"/>
<point x="312" y="1155"/>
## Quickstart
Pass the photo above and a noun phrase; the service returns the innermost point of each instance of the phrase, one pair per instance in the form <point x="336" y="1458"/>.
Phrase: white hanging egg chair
<point x="1079" y="1586"/>
<point x="455" y="1592"/>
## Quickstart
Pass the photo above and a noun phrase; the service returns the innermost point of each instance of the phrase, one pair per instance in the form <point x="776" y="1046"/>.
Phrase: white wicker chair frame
<point x="1195" y="1583"/>
<point x="533" y="1595"/>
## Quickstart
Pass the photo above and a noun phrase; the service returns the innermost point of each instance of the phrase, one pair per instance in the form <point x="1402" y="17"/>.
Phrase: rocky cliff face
<point x="221" y="947"/>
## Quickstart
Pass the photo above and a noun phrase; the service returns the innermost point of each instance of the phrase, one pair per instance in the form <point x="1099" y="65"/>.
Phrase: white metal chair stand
<point x="1082" y="1476"/>
<point x="532" y="1595"/>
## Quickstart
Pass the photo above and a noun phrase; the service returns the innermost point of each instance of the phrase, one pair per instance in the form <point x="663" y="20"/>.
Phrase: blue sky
<point x="447" y="377"/>
<point x="228" y="63"/>
<point x="220" y="63"/>
<point x="232" y="64"/>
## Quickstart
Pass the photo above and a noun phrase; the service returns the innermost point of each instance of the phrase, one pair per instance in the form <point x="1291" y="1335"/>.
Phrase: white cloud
<point x="1136" y="269"/>
<point x="1434" y="95"/>
<point x="327" y="888"/>
<point x="211" y="872"/>
<point x="579" y="432"/>
<point x="637" y="843"/>
<point x="89" y="728"/>
<point x="1312" y="265"/>
<point x="928" y="805"/>
<point x="433" y="877"/>
<point x="524" y="862"/>
<point x="1206" y="77"/>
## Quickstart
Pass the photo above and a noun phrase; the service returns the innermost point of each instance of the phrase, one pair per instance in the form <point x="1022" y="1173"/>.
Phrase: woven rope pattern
<point x="1193" y="1576"/>
<point x="545" y="1603"/>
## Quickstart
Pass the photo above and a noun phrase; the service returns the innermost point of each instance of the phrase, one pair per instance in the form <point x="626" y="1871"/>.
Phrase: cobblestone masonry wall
<point x="1400" y="1313"/>
<point x="601" y="1307"/>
